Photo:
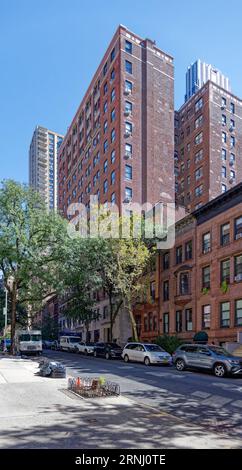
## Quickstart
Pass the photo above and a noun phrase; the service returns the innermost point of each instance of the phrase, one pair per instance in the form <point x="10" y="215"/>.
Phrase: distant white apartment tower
<point x="43" y="153"/>
<point x="199" y="73"/>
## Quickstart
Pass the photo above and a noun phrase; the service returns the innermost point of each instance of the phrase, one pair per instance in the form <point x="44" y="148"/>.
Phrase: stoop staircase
<point x="238" y="351"/>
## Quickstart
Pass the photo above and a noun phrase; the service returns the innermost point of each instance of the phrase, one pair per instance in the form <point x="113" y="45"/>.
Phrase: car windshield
<point x="154" y="347"/>
<point x="35" y="337"/>
<point x="220" y="351"/>
<point x="113" y="345"/>
<point x="75" y="340"/>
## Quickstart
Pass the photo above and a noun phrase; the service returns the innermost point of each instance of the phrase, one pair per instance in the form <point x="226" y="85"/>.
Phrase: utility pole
<point x="5" y="313"/>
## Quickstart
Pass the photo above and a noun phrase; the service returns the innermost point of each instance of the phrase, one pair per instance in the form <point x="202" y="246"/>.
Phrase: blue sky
<point x="50" y="49"/>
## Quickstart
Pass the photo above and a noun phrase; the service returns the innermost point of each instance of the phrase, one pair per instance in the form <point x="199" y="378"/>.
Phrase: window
<point x="188" y="180"/>
<point x="224" y="137"/>
<point x="128" y="67"/>
<point x="199" y="156"/>
<point x="198" y="138"/>
<point x="128" y="86"/>
<point x="188" y="319"/>
<point x="238" y="228"/>
<point x="232" y="124"/>
<point x="112" y="75"/>
<point x="178" y="321"/>
<point x="113" y="198"/>
<point x="105" y="126"/>
<point x="206" y="242"/>
<point x="113" y="95"/>
<point x="206" y="316"/>
<point x="128" y="47"/>
<point x="206" y="277"/>
<point x="198" y="105"/>
<point x="146" y="327"/>
<point x="105" y="68"/>
<point x="128" y="128"/>
<point x="105" y="88"/>
<point x="188" y="250"/>
<point x="152" y="290"/>
<point x="224" y="120"/>
<point x="225" y="234"/>
<point x="128" y="150"/>
<point x="113" y="156"/>
<point x="238" y="268"/>
<point x="223" y="154"/>
<point x="165" y="290"/>
<point x="128" y="107"/>
<point x="105" y="166"/>
<point x="199" y="121"/>
<point x="232" y="108"/>
<point x="182" y="167"/>
<point x="113" y="177"/>
<point x="198" y="173"/>
<point x="113" y="136"/>
<point x="105" y="186"/>
<point x="179" y="254"/>
<point x="199" y="190"/>
<point x="224" y="171"/>
<point x="223" y="102"/>
<point x="232" y="158"/>
<point x="184" y="284"/>
<point x="224" y="188"/>
<point x="112" y="54"/>
<point x="150" y="321"/>
<point x="128" y="172"/>
<point x="105" y="107"/>
<point x="232" y="174"/>
<point x="225" y="314"/>
<point x="166" y="260"/>
<point x="238" y="312"/>
<point x="188" y="163"/>
<point x="105" y="146"/>
<point x="166" y="323"/>
<point x="113" y="115"/>
<point x="225" y="271"/>
<point x="232" y="141"/>
<point x="128" y="193"/>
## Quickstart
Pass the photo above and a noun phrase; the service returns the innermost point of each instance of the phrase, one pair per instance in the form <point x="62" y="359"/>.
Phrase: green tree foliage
<point x="169" y="343"/>
<point x="30" y="241"/>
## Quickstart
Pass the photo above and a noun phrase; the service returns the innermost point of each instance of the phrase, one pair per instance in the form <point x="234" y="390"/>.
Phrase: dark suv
<point x="107" y="350"/>
<point x="210" y="357"/>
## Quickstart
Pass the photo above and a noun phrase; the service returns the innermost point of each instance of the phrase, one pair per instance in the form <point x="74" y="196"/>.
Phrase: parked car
<point x="107" y="350"/>
<point x="146" y="353"/>
<point x="47" y="343"/>
<point x="85" y="348"/>
<point x="55" y="346"/>
<point x="69" y="343"/>
<point x="209" y="357"/>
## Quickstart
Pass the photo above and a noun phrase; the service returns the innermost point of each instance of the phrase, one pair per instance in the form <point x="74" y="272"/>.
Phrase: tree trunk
<point x="133" y="323"/>
<point x="111" y="317"/>
<point x="13" y="317"/>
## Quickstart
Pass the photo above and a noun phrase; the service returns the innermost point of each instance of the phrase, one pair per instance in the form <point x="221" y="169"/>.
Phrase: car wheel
<point x="126" y="358"/>
<point x="107" y="355"/>
<point x="95" y="354"/>
<point x="147" y="361"/>
<point x="180" y="364"/>
<point x="219" y="370"/>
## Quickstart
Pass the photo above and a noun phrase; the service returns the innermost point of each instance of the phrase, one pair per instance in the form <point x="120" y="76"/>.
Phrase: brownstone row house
<point x="197" y="285"/>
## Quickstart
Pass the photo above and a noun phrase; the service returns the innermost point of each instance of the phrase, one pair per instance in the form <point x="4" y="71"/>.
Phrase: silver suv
<point x="210" y="357"/>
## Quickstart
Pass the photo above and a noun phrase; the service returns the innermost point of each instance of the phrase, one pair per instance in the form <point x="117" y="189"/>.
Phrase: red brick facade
<point x="202" y="293"/>
<point x="122" y="135"/>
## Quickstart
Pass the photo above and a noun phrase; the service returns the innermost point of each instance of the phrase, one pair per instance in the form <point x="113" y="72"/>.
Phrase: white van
<point x="28" y="342"/>
<point x="69" y="343"/>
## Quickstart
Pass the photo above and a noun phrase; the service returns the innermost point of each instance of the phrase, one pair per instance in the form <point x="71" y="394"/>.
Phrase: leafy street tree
<point x="30" y="241"/>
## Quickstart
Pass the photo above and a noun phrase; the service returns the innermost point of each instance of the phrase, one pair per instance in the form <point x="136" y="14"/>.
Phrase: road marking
<point x="237" y="403"/>
<point x="200" y="394"/>
<point x="217" y="401"/>
<point x="168" y="375"/>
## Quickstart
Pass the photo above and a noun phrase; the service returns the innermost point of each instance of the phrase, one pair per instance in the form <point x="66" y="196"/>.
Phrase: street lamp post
<point x="5" y="313"/>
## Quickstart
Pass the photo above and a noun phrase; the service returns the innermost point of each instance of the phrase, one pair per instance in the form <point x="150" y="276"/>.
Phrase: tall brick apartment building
<point x="120" y="144"/>
<point x="208" y="145"/>
<point x="198" y="283"/>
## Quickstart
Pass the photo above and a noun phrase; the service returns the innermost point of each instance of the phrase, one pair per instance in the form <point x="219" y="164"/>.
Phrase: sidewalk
<point x="37" y="412"/>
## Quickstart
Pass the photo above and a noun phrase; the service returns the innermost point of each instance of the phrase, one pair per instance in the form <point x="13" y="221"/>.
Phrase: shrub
<point x="169" y="343"/>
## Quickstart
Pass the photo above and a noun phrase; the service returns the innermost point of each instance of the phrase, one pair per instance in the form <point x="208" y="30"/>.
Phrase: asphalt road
<point x="199" y="398"/>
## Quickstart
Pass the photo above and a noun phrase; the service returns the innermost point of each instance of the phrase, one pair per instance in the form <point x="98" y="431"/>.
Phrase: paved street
<point x="199" y="398"/>
<point x="156" y="409"/>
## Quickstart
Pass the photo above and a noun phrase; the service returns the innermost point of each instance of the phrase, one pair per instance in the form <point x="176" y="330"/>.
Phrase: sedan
<point x="108" y="350"/>
<point x="146" y="353"/>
